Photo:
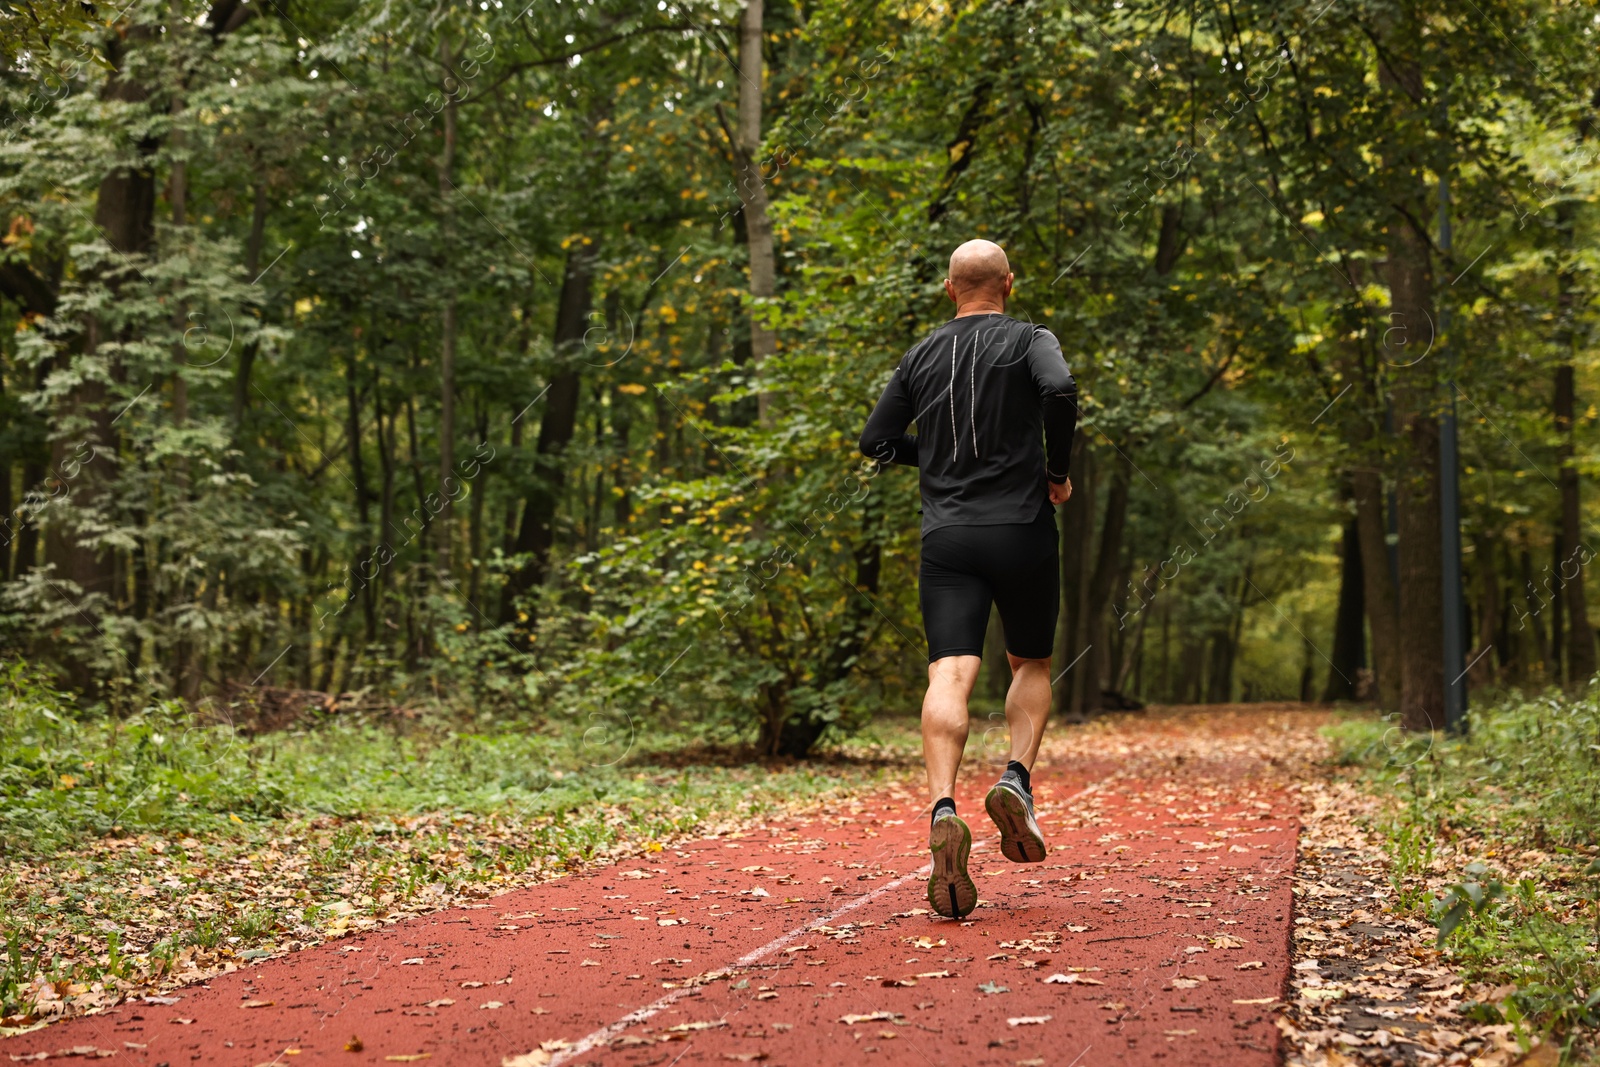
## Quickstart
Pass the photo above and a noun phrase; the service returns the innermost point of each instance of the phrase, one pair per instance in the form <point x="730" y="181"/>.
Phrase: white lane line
<point x="606" y="1034"/>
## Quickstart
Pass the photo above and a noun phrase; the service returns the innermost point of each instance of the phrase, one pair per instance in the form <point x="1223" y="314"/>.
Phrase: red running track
<point x="1156" y="931"/>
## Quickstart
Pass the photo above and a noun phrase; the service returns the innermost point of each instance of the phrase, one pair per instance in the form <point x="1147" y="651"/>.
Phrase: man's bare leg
<point x="951" y="891"/>
<point x="944" y="720"/>
<point x="1010" y="801"/>
<point x="1027" y="707"/>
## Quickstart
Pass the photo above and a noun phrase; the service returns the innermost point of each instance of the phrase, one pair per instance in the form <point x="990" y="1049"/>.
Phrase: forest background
<point x="509" y="360"/>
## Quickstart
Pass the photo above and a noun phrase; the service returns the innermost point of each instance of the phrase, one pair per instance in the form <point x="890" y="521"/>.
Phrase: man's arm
<point x="1058" y="397"/>
<point x="885" y="438"/>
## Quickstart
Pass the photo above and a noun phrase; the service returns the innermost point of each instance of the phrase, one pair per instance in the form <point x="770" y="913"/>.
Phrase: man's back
<point x="983" y="390"/>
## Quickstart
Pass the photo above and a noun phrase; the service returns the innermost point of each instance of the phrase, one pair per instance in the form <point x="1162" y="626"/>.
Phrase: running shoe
<point x="1011" y="808"/>
<point x="950" y="889"/>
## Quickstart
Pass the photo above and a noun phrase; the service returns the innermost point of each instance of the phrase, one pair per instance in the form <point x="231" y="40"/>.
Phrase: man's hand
<point x="1060" y="494"/>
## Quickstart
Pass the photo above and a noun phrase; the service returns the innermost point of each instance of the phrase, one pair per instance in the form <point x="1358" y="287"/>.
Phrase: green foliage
<point x="1466" y="898"/>
<point x="68" y="776"/>
<point x="238" y="258"/>
<point x="1521" y="795"/>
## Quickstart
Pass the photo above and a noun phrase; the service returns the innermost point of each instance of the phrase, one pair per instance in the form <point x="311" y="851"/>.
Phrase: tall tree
<point x="752" y="189"/>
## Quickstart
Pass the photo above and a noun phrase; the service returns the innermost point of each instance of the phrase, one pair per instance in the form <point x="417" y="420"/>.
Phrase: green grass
<point x="148" y="845"/>
<point x="1494" y="837"/>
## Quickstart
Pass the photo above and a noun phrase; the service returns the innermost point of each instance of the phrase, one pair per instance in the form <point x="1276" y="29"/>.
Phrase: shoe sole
<point x="951" y="891"/>
<point x="1019" y="842"/>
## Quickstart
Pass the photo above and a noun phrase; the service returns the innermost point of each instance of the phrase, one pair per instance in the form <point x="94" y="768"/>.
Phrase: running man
<point x="995" y="409"/>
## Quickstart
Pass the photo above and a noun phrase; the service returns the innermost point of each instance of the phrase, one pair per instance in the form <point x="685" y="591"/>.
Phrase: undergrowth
<point x="137" y="846"/>
<point x="1494" y="837"/>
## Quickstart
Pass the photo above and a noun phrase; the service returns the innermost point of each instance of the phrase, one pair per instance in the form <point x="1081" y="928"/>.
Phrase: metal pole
<point x="1454" y="607"/>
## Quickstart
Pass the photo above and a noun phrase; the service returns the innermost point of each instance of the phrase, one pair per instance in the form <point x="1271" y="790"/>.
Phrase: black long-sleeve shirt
<point x="983" y="390"/>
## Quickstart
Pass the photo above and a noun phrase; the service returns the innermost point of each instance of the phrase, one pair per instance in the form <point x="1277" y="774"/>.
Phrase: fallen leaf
<point x="759" y="892"/>
<point x="1180" y="1033"/>
<point x="992" y="988"/>
<point x="536" y="1058"/>
<point x="1258" y="1000"/>
<point x="1253" y="965"/>
<point x="1029" y="1020"/>
<point x="769" y="995"/>
<point x="1324" y="993"/>
<point x="899" y="981"/>
<point x="709" y="1024"/>
<point x="1070" y="979"/>
<point x="875" y="1017"/>
<point x="257" y="1004"/>
<point x="745" y="1057"/>
<point x="471" y="985"/>
<point x="442" y="1002"/>
<point x="409" y="1057"/>
<point x="490" y="1005"/>
<point x="414" y="961"/>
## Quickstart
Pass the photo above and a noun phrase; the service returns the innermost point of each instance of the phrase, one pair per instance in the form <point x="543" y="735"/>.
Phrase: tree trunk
<point x="1076" y="663"/>
<point x="536" y="531"/>
<point x="1378" y="592"/>
<point x="1077" y="520"/>
<point x="1105" y="572"/>
<point x="1580" y="638"/>
<point x="1349" y="628"/>
<point x="1219" y="676"/>
<point x="447" y="325"/>
<point x="1481" y="659"/>
<point x="10" y="517"/>
<point x="1421" y="586"/>
<point x="753" y="193"/>
<point x="362" y="575"/>
<point x="1553" y="584"/>
<point x="1531" y="620"/>
<point x="252" y="267"/>
<point x="1409" y="337"/>
<point x="125" y="214"/>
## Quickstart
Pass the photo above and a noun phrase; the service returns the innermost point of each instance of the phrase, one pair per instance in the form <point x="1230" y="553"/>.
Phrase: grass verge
<point x="147" y="852"/>
<point x="1492" y="837"/>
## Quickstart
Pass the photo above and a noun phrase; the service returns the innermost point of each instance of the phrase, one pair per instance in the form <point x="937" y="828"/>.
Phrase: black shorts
<point x="1014" y="566"/>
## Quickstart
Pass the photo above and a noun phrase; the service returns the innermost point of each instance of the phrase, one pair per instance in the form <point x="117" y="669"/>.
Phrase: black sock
<point x="942" y="804"/>
<point x="1021" y="772"/>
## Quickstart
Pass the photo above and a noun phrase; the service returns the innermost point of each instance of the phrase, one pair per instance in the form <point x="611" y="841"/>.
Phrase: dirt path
<point x="1157" y="930"/>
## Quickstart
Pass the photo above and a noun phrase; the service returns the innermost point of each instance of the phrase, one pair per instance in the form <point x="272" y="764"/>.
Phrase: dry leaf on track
<point x="536" y="1058"/>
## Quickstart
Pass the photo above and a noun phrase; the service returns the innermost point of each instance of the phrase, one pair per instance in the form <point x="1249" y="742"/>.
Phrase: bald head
<point x="979" y="275"/>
